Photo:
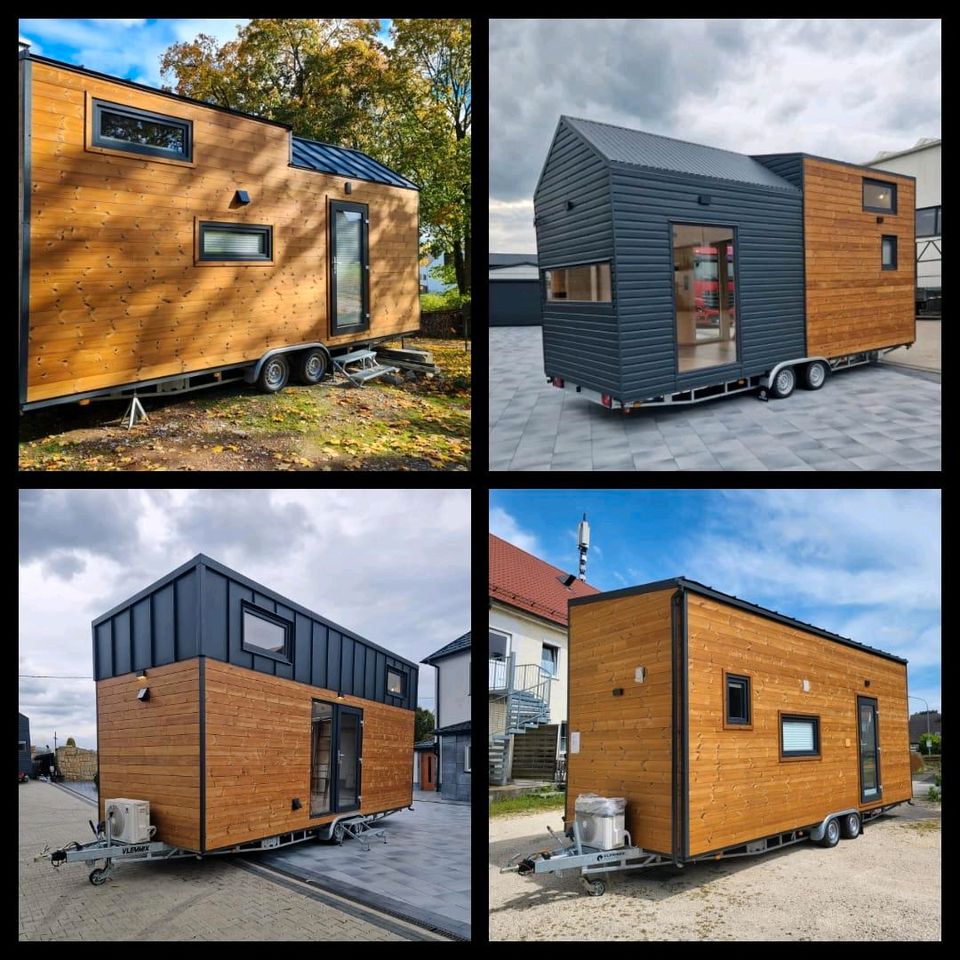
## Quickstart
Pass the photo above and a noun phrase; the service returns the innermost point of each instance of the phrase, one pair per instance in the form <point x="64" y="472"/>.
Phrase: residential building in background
<point x="527" y="668"/>
<point x="514" y="290"/>
<point x="926" y="721"/>
<point x="428" y="283"/>
<point x="452" y="664"/>
<point x="26" y="762"/>
<point x="922" y="161"/>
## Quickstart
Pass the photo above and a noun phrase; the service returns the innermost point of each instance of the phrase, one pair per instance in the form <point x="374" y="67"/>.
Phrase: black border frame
<point x="265" y="229"/>
<point x="364" y="211"/>
<point x="98" y="107"/>
<point x="727" y="719"/>
<point x="247" y="607"/>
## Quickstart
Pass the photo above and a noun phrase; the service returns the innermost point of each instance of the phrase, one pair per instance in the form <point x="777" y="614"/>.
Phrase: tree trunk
<point x="462" y="282"/>
<point x="467" y="249"/>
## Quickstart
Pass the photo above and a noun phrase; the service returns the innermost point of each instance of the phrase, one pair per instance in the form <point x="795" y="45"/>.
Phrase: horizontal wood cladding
<point x="151" y="750"/>
<point x="853" y="304"/>
<point x="258" y="754"/>
<point x="625" y="741"/>
<point x="115" y="295"/>
<point x="740" y="789"/>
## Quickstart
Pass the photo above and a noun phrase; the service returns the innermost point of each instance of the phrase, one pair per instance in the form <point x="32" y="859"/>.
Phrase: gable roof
<point x="621" y="145"/>
<point x="460" y="645"/>
<point x="498" y="260"/>
<point x="522" y="580"/>
<point x="326" y="158"/>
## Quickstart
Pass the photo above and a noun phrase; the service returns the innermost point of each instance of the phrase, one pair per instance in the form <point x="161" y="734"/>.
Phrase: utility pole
<point x="583" y="543"/>
<point x="927" y="705"/>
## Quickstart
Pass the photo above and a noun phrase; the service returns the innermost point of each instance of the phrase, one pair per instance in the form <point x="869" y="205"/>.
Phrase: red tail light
<point x="558" y="381"/>
<point x="606" y="399"/>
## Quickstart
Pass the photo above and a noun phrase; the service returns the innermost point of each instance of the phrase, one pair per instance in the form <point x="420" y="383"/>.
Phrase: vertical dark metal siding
<point x="579" y="340"/>
<point x="121" y="642"/>
<point x="103" y="658"/>
<point x="187" y="623"/>
<point x="318" y="673"/>
<point x="142" y="626"/>
<point x="302" y="653"/>
<point x="768" y="273"/>
<point x="333" y="660"/>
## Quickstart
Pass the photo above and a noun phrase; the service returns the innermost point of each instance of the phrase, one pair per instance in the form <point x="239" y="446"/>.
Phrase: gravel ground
<point x="884" y="886"/>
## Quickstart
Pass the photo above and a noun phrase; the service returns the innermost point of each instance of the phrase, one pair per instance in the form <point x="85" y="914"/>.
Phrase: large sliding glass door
<point x="705" y="300"/>
<point x="337" y="758"/>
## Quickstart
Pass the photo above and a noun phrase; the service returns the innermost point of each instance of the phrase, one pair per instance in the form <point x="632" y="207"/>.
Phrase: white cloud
<point x="503" y="525"/>
<point x="121" y="23"/>
<point x="511" y="226"/>
<point x="34" y="46"/>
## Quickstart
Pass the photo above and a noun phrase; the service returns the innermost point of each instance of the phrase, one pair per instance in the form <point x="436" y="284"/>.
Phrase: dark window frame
<point x="141" y="149"/>
<point x="892" y="209"/>
<point x="556" y="662"/>
<point x="268" y="615"/>
<point x="814" y="754"/>
<point x="893" y="241"/>
<point x="403" y="682"/>
<point x="936" y="221"/>
<point x="260" y="228"/>
<point x="336" y="329"/>
<point x="545" y="280"/>
<point x="732" y="723"/>
<point x="876" y="731"/>
<point x="24" y="746"/>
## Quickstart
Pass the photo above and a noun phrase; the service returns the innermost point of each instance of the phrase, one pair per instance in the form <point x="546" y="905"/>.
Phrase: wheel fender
<point x="816" y="833"/>
<point x="251" y="373"/>
<point x="767" y="379"/>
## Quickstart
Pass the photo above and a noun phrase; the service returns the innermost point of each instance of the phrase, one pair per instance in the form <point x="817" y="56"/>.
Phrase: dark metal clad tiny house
<point x="668" y="266"/>
<point x="199" y="610"/>
<point x="26" y="762"/>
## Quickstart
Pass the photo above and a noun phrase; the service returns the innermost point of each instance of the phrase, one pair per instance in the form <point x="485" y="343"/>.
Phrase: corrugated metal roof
<point x="511" y="259"/>
<point x="664" y="153"/>
<point x="522" y="271"/>
<point x="342" y="161"/>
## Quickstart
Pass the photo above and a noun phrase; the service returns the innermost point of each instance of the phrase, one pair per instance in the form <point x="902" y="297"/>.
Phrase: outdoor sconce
<point x="703" y="200"/>
<point x="348" y="188"/>
<point x="866" y="683"/>
<point x="242" y="197"/>
<point x="569" y="204"/>
<point x="639" y="674"/>
<point x="618" y="691"/>
<point x="295" y="803"/>
<point x="143" y="694"/>
<point x="339" y="694"/>
<point x="879" y="219"/>
<point x="142" y="676"/>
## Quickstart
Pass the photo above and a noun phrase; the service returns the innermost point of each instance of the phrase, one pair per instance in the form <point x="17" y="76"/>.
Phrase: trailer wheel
<point x="311" y="366"/>
<point x="274" y="374"/>
<point x="98" y="876"/>
<point x="850" y="826"/>
<point x="814" y="375"/>
<point x="831" y="835"/>
<point x="783" y="383"/>
<point x="595" y="888"/>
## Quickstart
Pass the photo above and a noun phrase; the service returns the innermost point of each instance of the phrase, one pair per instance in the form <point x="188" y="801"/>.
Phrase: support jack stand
<point x="134" y="413"/>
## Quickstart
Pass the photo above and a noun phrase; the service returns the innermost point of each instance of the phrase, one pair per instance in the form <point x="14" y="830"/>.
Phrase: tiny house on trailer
<point x="673" y="272"/>
<point x="240" y="715"/>
<point x="167" y="243"/>
<point x="728" y="727"/>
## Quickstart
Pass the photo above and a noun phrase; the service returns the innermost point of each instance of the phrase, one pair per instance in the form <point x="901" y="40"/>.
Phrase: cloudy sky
<point x="838" y="88"/>
<point x="862" y="563"/>
<point x="393" y="566"/>
<point x="125" y="48"/>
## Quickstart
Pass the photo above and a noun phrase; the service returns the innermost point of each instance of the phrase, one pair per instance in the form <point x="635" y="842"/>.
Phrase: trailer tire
<point x="312" y="366"/>
<point x="98" y="876"/>
<point x="274" y="374"/>
<point x="783" y="383"/>
<point x="850" y="826"/>
<point x="814" y="375"/>
<point x="595" y="888"/>
<point x="831" y="834"/>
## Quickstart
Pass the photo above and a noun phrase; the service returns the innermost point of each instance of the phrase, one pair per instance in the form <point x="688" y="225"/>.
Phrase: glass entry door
<point x="337" y="758"/>
<point x="870" y="788"/>
<point x="349" y="268"/>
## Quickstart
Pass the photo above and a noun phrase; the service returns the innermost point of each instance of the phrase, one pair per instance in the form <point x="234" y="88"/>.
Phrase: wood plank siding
<point x="116" y="293"/>
<point x="258" y="754"/>
<point x="853" y="304"/>
<point x="740" y="789"/>
<point x="625" y="741"/>
<point x="151" y="750"/>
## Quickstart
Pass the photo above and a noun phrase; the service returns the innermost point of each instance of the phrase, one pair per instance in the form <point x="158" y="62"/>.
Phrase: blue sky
<point x="125" y="48"/>
<point x="862" y="563"/>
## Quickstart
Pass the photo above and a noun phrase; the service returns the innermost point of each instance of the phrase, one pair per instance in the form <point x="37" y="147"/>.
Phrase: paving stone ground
<point x="866" y="418"/>
<point x="211" y="899"/>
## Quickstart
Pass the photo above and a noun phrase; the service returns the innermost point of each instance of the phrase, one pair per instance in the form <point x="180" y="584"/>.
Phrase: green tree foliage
<point x="408" y="105"/>
<point x="930" y="743"/>
<point x="423" y="724"/>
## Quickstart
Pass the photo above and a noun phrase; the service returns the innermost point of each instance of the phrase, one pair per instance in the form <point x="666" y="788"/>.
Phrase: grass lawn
<point x="419" y="425"/>
<point x="526" y="803"/>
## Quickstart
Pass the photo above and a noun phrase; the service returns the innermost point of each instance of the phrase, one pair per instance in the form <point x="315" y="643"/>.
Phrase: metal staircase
<point x="363" y="365"/>
<point x="524" y="706"/>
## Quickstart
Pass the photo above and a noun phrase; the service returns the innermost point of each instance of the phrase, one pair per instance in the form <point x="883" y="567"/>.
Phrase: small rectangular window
<point x="394" y="682"/>
<point x="265" y="633"/>
<point x="139" y="131"/>
<point x="23" y="745"/>
<point x="928" y="222"/>
<point x="236" y="241"/>
<point x="799" y="736"/>
<point x="549" y="659"/>
<point x="466" y="758"/>
<point x="588" y="282"/>
<point x="738" y="699"/>
<point x="880" y="196"/>
<point x="499" y="642"/>
<point x="563" y="737"/>
<point x="888" y="253"/>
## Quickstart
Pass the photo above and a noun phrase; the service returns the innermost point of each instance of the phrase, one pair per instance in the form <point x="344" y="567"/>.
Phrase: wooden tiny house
<point x="673" y="272"/>
<point x="723" y="723"/>
<point x="260" y="718"/>
<point x="164" y="240"/>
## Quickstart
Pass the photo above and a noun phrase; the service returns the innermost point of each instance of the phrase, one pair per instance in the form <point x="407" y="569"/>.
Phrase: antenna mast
<point x="583" y="543"/>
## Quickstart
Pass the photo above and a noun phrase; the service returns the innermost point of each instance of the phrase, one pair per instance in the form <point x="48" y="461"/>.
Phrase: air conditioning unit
<point x="130" y="820"/>
<point x="601" y="821"/>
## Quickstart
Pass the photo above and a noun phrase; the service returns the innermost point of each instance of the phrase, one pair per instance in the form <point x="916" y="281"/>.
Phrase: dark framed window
<point x="550" y="659"/>
<point x="23" y="745"/>
<point x="138" y="131"/>
<point x="349" y="267"/>
<point x="584" y="283"/>
<point x="236" y="241"/>
<point x="880" y="196"/>
<point x="264" y="633"/>
<point x="928" y="222"/>
<point x="799" y="736"/>
<point x="737" y="700"/>
<point x="395" y="682"/>
<point x="888" y="253"/>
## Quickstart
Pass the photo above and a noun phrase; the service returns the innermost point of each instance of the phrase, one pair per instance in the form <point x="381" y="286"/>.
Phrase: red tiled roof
<point x="521" y="580"/>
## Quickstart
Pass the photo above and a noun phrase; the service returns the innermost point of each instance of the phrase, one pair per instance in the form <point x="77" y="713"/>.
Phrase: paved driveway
<point x="422" y="872"/>
<point x="867" y="418"/>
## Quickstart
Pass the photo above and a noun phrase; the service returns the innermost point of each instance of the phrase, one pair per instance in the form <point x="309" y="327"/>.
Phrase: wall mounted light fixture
<point x="142" y="676"/>
<point x="242" y="197"/>
<point x="143" y="694"/>
<point x="348" y="188"/>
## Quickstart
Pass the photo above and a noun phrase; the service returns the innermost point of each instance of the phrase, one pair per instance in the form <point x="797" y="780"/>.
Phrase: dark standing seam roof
<point x="511" y="259"/>
<point x="454" y="646"/>
<point x="326" y="158"/>
<point x="621" y="145"/>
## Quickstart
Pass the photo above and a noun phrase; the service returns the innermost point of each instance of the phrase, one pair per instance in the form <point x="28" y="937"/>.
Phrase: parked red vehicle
<point x="705" y="285"/>
<point x="23" y="777"/>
